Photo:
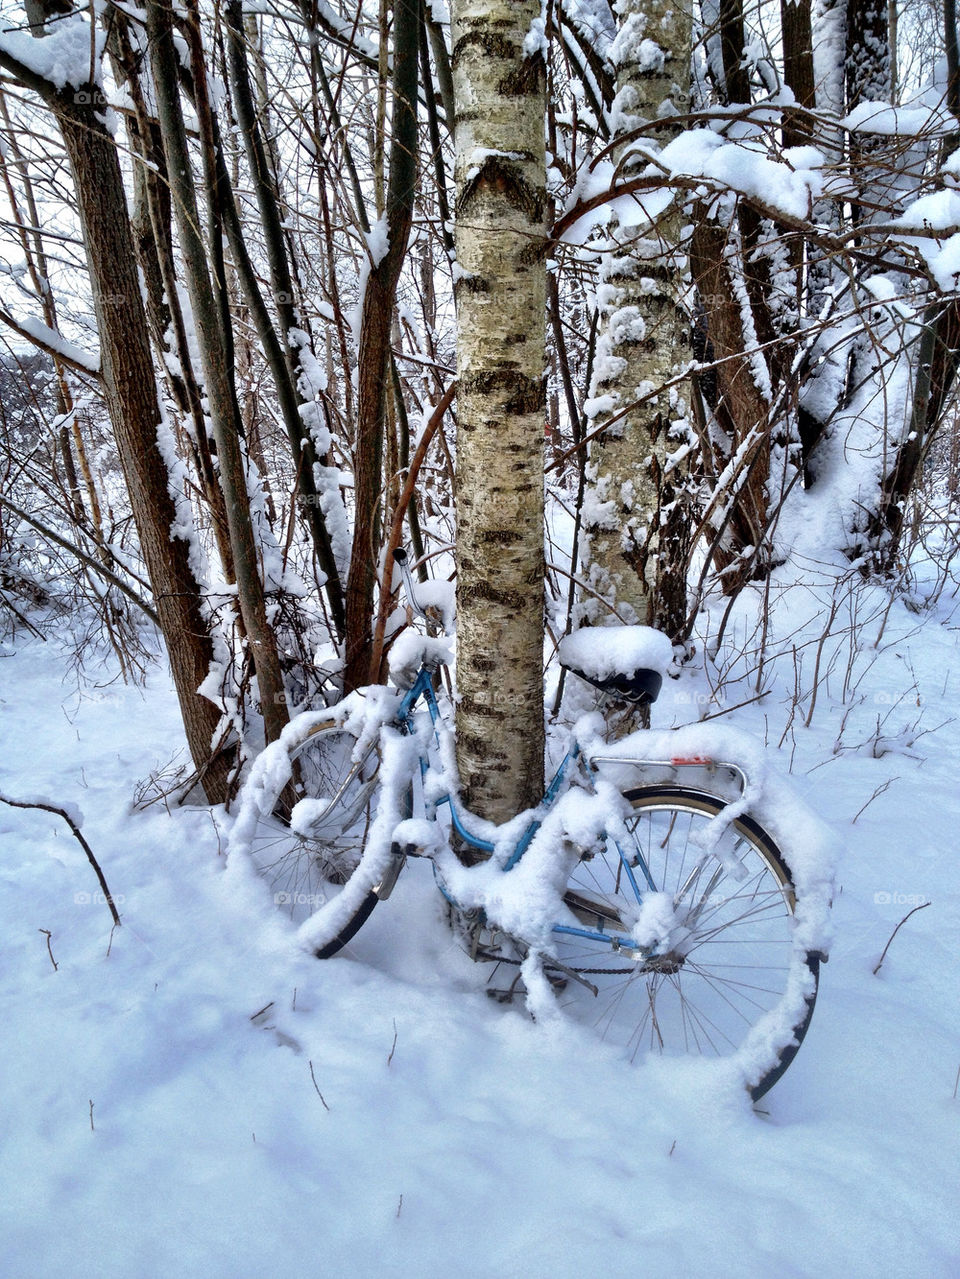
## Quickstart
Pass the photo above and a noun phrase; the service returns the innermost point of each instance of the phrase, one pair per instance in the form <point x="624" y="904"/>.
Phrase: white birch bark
<point x="636" y="514"/>
<point x="500" y="175"/>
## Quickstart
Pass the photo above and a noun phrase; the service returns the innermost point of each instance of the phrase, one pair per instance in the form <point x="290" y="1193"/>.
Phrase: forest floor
<point x="190" y="1096"/>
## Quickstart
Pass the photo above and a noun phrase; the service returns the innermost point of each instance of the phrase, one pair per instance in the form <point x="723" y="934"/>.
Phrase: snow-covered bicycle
<point x="641" y="895"/>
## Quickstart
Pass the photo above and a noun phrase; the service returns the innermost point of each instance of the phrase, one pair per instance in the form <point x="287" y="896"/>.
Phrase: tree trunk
<point x="214" y="348"/>
<point x="798" y="74"/>
<point x="731" y="259"/>
<point x="151" y="223"/>
<point x="131" y="397"/>
<point x="499" y="89"/>
<point x="35" y="255"/>
<point x="740" y="409"/>
<point x="867" y="67"/>
<point x="936" y="362"/>
<point x="638" y="526"/>
<point x="375" y="326"/>
<point x="263" y="178"/>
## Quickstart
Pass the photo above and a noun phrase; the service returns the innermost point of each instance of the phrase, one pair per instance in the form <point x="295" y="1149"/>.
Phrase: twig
<point x="48" y="935"/>
<point x="84" y="558"/>
<point x="895" y="931"/>
<point x="92" y="1129"/>
<point x="834" y="606"/>
<point x="728" y="710"/>
<point x="393" y="1046"/>
<point x="61" y="812"/>
<point x="876" y="794"/>
<point x="20" y="617"/>
<point x="317" y="1086"/>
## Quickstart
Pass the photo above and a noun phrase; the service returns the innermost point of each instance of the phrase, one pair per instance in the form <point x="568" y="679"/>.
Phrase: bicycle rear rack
<point x="719" y="773"/>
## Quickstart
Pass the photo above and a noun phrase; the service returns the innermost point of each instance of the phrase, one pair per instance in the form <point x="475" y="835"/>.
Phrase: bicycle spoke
<point x="307" y="862"/>
<point x="728" y="957"/>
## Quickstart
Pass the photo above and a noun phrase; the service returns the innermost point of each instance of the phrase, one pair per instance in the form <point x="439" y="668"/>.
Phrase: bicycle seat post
<point x="402" y="562"/>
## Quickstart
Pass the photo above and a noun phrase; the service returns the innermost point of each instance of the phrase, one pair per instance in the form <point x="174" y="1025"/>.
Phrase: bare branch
<point x="84" y="558"/>
<point x="922" y="906"/>
<point x="62" y="812"/>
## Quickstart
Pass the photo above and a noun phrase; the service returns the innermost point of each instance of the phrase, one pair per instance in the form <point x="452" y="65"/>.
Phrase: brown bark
<point x="279" y="257"/>
<point x="740" y="408"/>
<point x="207" y="299"/>
<point x="374" y="370"/>
<point x="756" y="273"/>
<point x="798" y="71"/>
<point x="130" y="393"/>
<point x="937" y="358"/>
<point x="867" y="68"/>
<point x="151" y="223"/>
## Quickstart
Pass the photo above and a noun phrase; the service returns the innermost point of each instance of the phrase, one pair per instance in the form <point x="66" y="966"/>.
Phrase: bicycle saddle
<point x="622" y="661"/>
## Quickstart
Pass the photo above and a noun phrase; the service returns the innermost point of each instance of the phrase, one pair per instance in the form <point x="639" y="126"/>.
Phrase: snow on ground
<point x="204" y="1101"/>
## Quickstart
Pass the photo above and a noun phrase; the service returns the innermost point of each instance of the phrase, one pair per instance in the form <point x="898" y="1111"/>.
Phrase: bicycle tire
<point x="734" y="960"/>
<point x="307" y="852"/>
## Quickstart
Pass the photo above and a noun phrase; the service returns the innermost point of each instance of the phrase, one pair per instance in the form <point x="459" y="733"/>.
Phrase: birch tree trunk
<point x="638" y="514"/>
<point x="500" y="176"/>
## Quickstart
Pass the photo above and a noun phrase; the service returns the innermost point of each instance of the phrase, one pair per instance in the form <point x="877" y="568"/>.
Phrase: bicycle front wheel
<point x="312" y="829"/>
<point x="730" y="961"/>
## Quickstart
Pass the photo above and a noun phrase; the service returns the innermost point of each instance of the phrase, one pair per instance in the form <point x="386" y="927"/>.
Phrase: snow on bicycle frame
<point x="749" y="852"/>
<point x="626" y="663"/>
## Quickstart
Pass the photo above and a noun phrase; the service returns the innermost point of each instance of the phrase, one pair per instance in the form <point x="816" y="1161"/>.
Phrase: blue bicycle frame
<point x="423" y="688"/>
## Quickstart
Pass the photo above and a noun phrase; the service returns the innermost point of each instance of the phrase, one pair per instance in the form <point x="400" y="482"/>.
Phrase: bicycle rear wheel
<point x="731" y="964"/>
<point x="312" y="829"/>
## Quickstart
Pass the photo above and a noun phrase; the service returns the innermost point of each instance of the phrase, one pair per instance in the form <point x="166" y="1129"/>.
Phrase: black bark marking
<point x="498" y="380"/>
<point x="487" y="42"/>
<point x="501" y="175"/>
<point x="472" y="284"/>
<point x="528" y="78"/>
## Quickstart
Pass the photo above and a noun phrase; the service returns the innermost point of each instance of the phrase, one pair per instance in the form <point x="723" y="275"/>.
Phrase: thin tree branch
<point x="922" y="906"/>
<point x="83" y="557"/>
<point x="62" y="812"/>
<point x="55" y="352"/>
<point x="393" y="541"/>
